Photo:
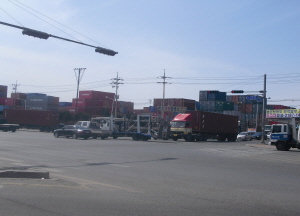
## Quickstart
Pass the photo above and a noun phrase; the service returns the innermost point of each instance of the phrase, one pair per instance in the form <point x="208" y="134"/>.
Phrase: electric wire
<point x="46" y="22"/>
<point x="11" y="17"/>
<point x="56" y="22"/>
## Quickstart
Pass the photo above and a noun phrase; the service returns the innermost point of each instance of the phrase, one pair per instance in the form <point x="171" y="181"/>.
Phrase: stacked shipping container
<point x="172" y="106"/>
<point x="3" y="96"/>
<point x="247" y="107"/>
<point x="97" y="103"/>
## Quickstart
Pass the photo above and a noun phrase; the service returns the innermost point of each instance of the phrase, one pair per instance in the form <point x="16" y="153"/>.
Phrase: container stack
<point x="17" y="100"/>
<point x="214" y="101"/>
<point x="98" y="103"/>
<point x="3" y="96"/>
<point x="247" y="107"/>
<point x="38" y="101"/>
<point x="95" y="103"/>
<point x="125" y="107"/>
<point x="172" y="107"/>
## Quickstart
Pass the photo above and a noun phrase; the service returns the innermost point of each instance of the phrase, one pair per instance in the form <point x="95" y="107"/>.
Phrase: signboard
<point x="283" y="113"/>
<point x="254" y="97"/>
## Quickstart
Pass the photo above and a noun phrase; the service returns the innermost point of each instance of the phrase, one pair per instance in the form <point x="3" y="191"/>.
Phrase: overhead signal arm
<point x="44" y="35"/>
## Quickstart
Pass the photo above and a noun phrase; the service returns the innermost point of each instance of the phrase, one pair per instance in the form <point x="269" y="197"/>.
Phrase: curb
<point x="17" y="174"/>
<point x="260" y="145"/>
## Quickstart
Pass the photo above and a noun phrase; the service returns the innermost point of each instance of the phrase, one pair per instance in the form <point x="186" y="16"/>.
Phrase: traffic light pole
<point x="264" y="109"/>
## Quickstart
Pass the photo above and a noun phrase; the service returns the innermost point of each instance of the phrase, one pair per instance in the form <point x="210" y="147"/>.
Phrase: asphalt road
<point x="125" y="177"/>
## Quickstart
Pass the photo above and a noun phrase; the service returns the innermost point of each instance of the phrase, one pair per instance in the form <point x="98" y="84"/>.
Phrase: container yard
<point x="248" y="108"/>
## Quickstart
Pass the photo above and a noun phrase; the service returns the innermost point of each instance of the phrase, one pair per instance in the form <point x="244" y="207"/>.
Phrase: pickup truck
<point x="8" y="127"/>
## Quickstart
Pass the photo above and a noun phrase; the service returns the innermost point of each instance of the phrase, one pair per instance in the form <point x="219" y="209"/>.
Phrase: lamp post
<point x="112" y="106"/>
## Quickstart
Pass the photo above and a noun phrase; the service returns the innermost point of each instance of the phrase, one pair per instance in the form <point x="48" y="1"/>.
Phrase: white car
<point x="243" y="136"/>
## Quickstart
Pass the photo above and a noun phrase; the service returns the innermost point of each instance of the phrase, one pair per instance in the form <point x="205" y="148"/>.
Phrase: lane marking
<point x="96" y="183"/>
<point x="17" y="161"/>
<point x="117" y="165"/>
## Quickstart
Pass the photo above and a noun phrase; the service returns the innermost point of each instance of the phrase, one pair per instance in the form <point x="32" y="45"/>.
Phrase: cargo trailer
<point x="200" y="126"/>
<point x="43" y="120"/>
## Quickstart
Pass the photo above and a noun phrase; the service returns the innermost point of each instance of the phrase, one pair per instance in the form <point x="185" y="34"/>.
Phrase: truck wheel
<point x="136" y="137"/>
<point x="115" y="137"/>
<point x="281" y="146"/>
<point x="175" y="138"/>
<point x="56" y="135"/>
<point x="13" y="130"/>
<point x="94" y="136"/>
<point x="75" y="136"/>
<point x="102" y="137"/>
<point x="190" y="138"/>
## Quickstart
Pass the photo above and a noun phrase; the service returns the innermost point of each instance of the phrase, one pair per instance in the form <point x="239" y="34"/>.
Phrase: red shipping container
<point x="235" y="99"/>
<point x="31" y="117"/>
<point x="81" y="102"/>
<point x="12" y="102"/>
<point x="105" y="95"/>
<point x="107" y="103"/>
<point x="18" y="96"/>
<point x="2" y="100"/>
<point x="249" y="108"/>
<point x="88" y="94"/>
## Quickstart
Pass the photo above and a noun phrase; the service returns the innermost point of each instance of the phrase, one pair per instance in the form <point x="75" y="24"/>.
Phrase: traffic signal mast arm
<point x="242" y="91"/>
<point x="44" y="35"/>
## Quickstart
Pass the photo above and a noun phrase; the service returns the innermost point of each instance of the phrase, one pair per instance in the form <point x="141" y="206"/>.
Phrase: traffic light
<point x="34" y="33"/>
<point x="213" y="91"/>
<point x="237" y="91"/>
<point x="105" y="51"/>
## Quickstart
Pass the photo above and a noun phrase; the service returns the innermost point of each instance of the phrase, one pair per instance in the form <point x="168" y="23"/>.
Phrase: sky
<point x="200" y="45"/>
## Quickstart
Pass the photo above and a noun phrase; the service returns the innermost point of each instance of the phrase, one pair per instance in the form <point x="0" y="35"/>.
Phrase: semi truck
<point x="43" y="120"/>
<point x="200" y="126"/>
<point x="285" y="136"/>
<point x="4" y="126"/>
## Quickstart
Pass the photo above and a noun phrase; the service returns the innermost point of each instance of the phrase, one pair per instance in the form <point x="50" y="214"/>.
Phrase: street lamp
<point x="112" y="106"/>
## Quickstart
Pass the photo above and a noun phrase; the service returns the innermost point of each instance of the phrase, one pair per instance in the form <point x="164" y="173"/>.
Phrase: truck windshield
<point x="276" y="129"/>
<point x="178" y="124"/>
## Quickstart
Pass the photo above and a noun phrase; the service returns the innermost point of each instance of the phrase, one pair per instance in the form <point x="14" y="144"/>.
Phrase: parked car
<point x="243" y="136"/>
<point x="258" y="136"/>
<point x="74" y="131"/>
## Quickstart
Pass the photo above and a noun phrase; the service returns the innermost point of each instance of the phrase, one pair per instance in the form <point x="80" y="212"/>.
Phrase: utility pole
<point x="78" y="74"/>
<point x="115" y="84"/>
<point x="163" y="101"/>
<point x="264" y="109"/>
<point x="15" y="87"/>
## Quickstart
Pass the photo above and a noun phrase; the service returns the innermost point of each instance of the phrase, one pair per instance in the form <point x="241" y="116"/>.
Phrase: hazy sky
<point x="202" y="45"/>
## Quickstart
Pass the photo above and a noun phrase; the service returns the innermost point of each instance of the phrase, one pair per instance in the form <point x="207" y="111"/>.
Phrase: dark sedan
<point x="258" y="136"/>
<point x="74" y="131"/>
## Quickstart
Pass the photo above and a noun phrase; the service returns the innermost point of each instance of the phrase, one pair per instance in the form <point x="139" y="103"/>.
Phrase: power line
<point x="52" y="20"/>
